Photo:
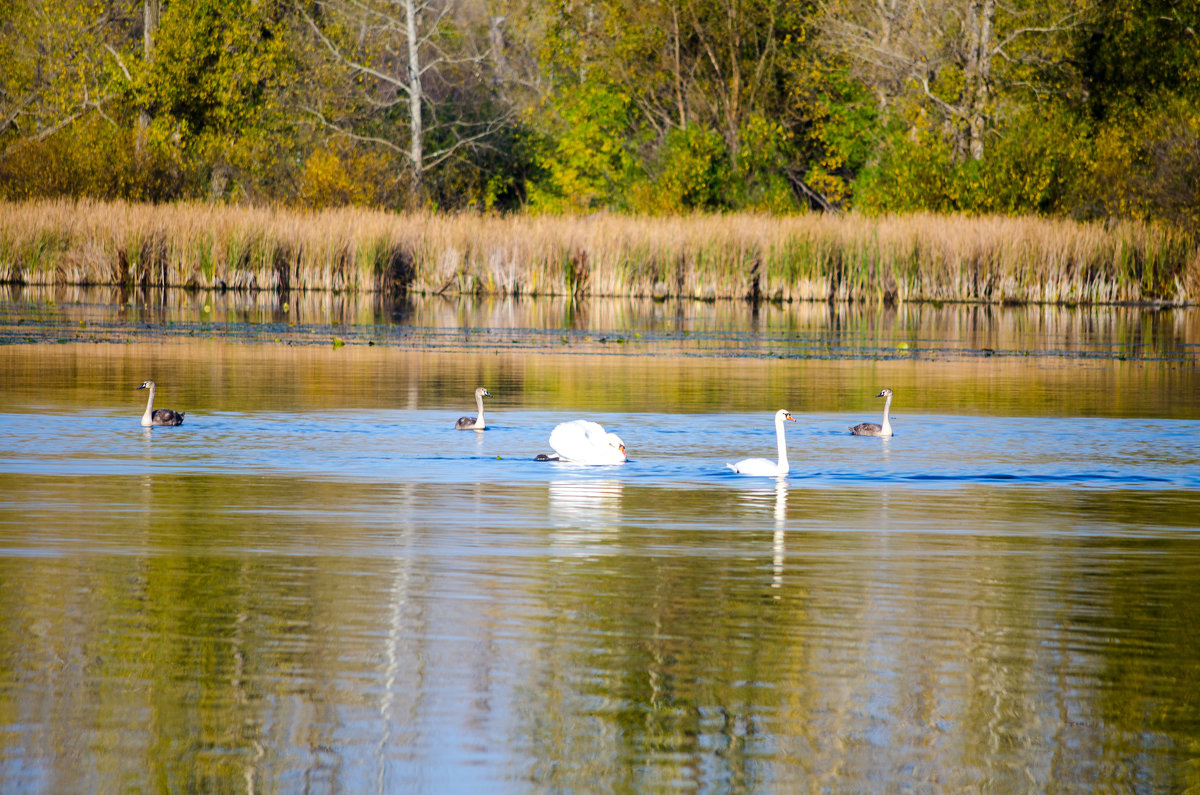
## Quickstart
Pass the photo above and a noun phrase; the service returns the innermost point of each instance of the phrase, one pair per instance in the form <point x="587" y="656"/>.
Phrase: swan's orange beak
<point x="623" y="451"/>
<point x="789" y="417"/>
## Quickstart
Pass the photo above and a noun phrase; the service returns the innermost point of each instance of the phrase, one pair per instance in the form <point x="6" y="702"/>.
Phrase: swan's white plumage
<point x="759" y="466"/>
<point x="585" y="442"/>
<point x="765" y="467"/>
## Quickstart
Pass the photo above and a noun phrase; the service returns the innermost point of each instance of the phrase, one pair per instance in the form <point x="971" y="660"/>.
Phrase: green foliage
<point x="491" y="176"/>
<point x="845" y="137"/>
<point x="693" y="173"/>
<point x="711" y="115"/>
<point x="587" y="164"/>
<point x="760" y="183"/>
<point x="1035" y="164"/>
<point x="213" y="91"/>
<point x="1137" y="52"/>
<point x="61" y="89"/>
<point x="1090" y="109"/>
<point x="913" y="173"/>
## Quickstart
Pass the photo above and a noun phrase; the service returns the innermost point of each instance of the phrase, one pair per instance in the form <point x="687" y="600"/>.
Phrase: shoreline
<point x="144" y="292"/>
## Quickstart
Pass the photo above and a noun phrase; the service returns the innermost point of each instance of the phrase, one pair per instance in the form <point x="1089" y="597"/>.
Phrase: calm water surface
<point x="315" y="584"/>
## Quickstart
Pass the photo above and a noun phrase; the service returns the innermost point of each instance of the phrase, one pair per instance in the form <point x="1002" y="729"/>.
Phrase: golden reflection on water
<point x="268" y="631"/>
<point x="627" y="326"/>
<point x="211" y="624"/>
<point x="210" y="376"/>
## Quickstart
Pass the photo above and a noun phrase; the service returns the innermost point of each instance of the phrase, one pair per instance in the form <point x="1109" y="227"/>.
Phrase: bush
<point x="1147" y="162"/>
<point x="1034" y="164"/>
<point x="92" y="159"/>
<point x="587" y="166"/>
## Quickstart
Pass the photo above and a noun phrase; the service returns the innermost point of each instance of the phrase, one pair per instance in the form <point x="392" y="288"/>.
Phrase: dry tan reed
<point x="920" y="257"/>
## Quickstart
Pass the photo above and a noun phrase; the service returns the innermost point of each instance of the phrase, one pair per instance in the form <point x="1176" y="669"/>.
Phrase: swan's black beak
<point x="143" y="386"/>
<point x="487" y="393"/>
<point x="881" y="394"/>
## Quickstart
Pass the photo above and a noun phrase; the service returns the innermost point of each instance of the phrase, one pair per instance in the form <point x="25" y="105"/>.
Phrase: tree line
<point x="1078" y="108"/>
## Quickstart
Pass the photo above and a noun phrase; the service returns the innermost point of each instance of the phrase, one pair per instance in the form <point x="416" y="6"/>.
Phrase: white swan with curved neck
<point x="584" y="442"/>
<point x="764" y="466"/>
<point x="870" y="428"/>
<point x="474" y="423"/>
<point x="158" y="416"/>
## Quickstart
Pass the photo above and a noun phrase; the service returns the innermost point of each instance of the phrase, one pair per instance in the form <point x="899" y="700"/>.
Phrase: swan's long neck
<point x="479" y="403"/>
<point x="783" y="462"/>
<point x="148" y="417"/>
<point x="886" y="430"/>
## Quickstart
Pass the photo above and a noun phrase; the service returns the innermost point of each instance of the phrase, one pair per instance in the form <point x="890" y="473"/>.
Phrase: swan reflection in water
<point x="777" y="545"/>
<point x="586" y="514"/>
<point x="777" y="499"/>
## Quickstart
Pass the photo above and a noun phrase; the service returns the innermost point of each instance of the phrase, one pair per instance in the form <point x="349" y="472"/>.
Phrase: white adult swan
<point x="158" y="416"/>
<point x="584" y="442"/>
<point x="870" y="428"/>
<point x="474" y="423"/>
<point x="764" y="466"/>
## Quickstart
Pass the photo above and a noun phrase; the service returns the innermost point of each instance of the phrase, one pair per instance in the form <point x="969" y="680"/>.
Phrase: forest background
<point x="1083" y="109"/>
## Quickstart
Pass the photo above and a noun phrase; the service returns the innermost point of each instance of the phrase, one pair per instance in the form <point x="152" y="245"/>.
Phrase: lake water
<point x="316" y="584"/>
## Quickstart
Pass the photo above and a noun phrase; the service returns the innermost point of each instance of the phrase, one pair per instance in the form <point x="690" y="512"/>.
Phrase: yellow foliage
<point x="1145" y="166"/>
<point x="339" y="179"/>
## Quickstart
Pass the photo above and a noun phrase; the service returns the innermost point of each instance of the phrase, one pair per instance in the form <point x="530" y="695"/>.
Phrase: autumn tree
<point x="415" y="78"/>
<point x="217" y="92"/>
<point x="703" y="88"/>
<point x="63" y="75"/>
<point x="1140" y="63"/>
<point x="145" y="99"/>
<point x="953" y="64"/>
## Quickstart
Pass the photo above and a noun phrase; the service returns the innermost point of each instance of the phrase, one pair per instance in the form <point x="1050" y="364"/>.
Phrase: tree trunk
<point x="733" y="35"/>
<point x="981" y="16"/>
<point x="152" y="10"/>
<point x="677" y="68"/>
<point x="417" y="134"/>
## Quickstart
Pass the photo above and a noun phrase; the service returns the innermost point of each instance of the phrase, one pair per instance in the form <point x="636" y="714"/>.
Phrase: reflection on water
<point x="585" y="513"/>
<point x="316" y="584"/>
<point x="629" y="326"/>
<point x="209" y="377"/>
<point x="777" y="541"/>
<point x="778" y="497"/>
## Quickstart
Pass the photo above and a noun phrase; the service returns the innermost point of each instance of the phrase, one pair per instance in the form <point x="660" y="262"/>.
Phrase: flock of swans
<point x="586" y="442"/>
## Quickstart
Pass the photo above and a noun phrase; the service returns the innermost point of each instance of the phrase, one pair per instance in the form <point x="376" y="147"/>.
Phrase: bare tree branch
<point x="354" y="66"/>
<point x="347" y="133"/>
<point x="406" y="60"/>
<point x="1059" y="26"/>
<point x="120" y="63"/>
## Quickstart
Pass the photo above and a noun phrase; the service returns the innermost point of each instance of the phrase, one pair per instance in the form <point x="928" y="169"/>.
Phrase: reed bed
<point x="922" y="257"/>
